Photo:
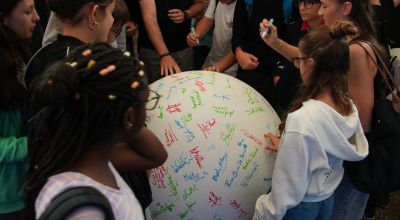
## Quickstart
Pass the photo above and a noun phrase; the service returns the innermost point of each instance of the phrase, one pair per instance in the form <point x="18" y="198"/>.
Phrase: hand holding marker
<point x="195" y="35"/>
<point x="266" y="31"/>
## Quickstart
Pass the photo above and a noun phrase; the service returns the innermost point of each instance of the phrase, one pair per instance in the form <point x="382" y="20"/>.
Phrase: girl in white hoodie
<point x="322" y="130"/>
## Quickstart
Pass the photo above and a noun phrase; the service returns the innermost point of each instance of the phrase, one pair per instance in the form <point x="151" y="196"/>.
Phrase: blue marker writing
<point x="266" y="31"/>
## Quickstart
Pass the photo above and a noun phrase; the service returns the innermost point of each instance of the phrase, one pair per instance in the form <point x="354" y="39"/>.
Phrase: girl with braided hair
<point x="90" y="21"/>
<point x="94" y="99"/>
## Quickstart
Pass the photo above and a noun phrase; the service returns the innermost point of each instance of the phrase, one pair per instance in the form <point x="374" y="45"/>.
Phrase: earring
<point x="129" y="125"/>
<point x="95" y="27"/>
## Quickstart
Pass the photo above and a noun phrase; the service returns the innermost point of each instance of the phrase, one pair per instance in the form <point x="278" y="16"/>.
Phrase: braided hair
<point x="85" y="99"/>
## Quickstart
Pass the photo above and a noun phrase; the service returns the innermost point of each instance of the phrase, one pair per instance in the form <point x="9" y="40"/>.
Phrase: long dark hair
<point x="86" y="97"/>
<point x="72" y="11"/>
<point x="330" y="51"/>
<point x="13" y="55"/>
<point x="362" y="16"/>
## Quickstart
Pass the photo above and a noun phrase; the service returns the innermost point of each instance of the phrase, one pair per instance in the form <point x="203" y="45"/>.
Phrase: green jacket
<point x="13" y="163"/>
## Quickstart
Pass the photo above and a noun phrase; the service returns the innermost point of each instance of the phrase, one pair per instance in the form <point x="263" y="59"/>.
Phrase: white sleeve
<point x="290" y="178"/>
<point x="211" y="10"/>
<point x="87" y="213"/>
<point x="53" y="28"/>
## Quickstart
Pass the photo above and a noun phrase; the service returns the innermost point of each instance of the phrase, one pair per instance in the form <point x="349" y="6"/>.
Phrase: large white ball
<point x="212" y="126"/>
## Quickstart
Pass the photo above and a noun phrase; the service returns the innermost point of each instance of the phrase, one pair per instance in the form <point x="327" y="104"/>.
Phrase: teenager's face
<point x="106" y="23"/>
<point x="305" y="65"/>
<point x="331" y="11"/>
<point x="309" y="10"/>
<point x="22" y="20"/>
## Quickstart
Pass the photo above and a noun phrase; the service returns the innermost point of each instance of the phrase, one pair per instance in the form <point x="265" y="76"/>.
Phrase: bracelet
<point x="164" y="55"/>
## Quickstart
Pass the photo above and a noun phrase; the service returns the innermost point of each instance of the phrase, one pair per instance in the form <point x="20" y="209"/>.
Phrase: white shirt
<point x="309" y="162"/>
<point x="223" y="23"/>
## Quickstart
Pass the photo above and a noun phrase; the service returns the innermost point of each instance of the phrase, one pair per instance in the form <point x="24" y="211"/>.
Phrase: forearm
<point x="285" y="49"/>
<point x="195" y="9"/>
<point x="151" y="25"/>
<point x="125" y="159"/>
<point x="147" y="144"/>
<point x="226" y="62"/>
<point x="204" y="25"/>
<point x="143" y="152"/>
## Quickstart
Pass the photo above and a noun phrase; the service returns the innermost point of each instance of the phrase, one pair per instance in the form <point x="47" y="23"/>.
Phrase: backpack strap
<point x="72" y="199"/>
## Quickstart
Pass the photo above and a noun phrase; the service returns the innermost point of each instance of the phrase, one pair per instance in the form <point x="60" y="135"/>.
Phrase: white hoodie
<point x="309" y="163"/>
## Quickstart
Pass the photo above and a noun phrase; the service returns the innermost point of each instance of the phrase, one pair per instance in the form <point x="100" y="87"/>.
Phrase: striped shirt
<point x="123" y="202"/>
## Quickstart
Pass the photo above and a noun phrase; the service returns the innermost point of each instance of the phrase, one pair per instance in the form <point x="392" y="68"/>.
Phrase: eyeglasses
<point x="296" y="60"/>
<point x="307" y="3"/>
<point x="152" y="101"/>
<point x="116" y="30"/>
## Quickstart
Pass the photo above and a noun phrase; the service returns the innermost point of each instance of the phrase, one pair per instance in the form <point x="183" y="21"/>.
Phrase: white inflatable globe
<point x="212" y="126"/>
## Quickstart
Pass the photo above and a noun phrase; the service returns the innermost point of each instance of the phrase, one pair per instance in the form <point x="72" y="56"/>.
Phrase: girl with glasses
<point x="321" y="131"/>
<point x="286" y="77"/>
<point x="349" y="202"/>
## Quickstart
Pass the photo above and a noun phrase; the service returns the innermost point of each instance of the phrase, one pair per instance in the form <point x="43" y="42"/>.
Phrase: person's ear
<point x="311" y="62"/>
<point x="346" y="8"/>
<point x="93" y="13"/>
<point x="129" y="118"/>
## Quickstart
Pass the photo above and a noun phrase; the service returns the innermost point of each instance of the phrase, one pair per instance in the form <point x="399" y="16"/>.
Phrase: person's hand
<point x="275" y="141"/>
<point x="247" y="61"/>
<point x="272" y="37"/>
<point x="192" y="40"/>
<point x="131" y="28"/>
<point x="169" y="66"/>
<point x="176" y="15"/>
<point x="213" y="68"/>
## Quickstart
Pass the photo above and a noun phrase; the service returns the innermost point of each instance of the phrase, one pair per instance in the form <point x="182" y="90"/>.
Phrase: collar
<point x="305" y="26"/>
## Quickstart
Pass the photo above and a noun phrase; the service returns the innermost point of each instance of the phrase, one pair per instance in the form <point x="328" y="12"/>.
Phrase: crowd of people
<point x="74" y="94"/>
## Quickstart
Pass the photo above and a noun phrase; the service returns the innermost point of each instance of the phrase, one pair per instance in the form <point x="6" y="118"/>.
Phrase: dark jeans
<point x="311" y="210"/>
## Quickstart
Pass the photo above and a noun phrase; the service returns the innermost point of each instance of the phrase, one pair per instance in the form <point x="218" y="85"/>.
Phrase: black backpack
<point x="72" y="199"/>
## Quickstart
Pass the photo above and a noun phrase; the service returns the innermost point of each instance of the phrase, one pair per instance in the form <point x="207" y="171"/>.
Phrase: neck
<point x="81" y="32"/>
<point x="314" y="22"/>
<point x="325" y="96"/>
<point x="94" y="164"/>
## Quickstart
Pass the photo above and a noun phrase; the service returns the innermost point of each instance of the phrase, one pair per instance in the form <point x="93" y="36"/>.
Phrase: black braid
<point x="79" y="112"/>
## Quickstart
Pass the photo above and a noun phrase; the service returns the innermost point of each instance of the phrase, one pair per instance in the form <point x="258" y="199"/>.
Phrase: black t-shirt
<point x="246" y="24"/>
<point x="48" y="55"/>
<point x="174" y="35"/>
<point x="384" y="15"/>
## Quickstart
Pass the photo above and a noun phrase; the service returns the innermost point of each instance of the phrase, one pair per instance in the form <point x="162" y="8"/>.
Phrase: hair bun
<point x="341" y="29"/>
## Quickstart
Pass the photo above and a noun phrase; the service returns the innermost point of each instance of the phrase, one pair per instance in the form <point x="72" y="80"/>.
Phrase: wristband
<point x="164" y="55"/>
